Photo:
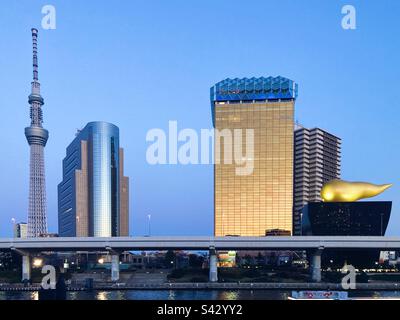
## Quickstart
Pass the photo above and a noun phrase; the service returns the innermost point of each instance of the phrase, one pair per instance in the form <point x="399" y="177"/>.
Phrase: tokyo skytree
<point x="37" y="138"/>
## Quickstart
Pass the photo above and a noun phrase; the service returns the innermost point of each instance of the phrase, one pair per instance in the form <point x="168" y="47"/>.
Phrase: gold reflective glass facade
<point x="252" y="204"/>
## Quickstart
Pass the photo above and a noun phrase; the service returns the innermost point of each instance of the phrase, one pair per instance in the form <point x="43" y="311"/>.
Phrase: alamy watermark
<point x="187" y="146"/>
<point x="49" y="280"/>
<point x="349" y="280"/>
<point x="349" y="20"/>
<point x="49" y="19"/>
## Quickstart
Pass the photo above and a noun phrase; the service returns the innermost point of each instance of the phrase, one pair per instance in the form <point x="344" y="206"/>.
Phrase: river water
<point x="186" y="295"/>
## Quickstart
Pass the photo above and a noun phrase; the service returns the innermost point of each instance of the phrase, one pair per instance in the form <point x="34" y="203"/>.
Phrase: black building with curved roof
<point x="364" y="218"/>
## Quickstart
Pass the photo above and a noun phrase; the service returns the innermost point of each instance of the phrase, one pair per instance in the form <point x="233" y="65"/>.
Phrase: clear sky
<point x="140" y="64"/>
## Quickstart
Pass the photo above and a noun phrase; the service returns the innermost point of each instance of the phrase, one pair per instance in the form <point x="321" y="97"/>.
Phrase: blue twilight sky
<point x="139" y="64"/>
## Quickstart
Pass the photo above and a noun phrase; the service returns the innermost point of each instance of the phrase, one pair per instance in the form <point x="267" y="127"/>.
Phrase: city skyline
<point x="333" y="100"/>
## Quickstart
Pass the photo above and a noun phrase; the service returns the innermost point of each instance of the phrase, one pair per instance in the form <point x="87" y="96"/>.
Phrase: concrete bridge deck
<point x="313" y="245"/>
<point x="200" y="243"/>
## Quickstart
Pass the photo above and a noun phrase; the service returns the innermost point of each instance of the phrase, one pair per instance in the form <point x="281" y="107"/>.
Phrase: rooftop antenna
<point x="35" y="58"/>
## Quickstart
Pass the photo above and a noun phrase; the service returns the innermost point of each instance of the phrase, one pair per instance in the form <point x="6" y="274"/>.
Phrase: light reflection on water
<point x="185" y="295"/>
<point x="102" y="296"/>
<point x="171" y="295"/>
<point x="228" y="295"/>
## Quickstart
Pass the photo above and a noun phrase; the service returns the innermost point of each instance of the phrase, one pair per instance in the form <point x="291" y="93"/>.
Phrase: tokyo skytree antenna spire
<point x="37" y="138"/>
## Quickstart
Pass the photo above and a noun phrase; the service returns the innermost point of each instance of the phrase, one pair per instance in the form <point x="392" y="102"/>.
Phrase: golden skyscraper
<point x="251" y="204"/>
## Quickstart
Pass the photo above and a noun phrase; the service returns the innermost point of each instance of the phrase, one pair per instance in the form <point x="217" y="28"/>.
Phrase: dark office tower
<point x="316" y="161"/>
<point x="93" y="198"/>
<point x="256" y="203"/>
<point x="37" y="138"/>
<point x="362" y="218"/>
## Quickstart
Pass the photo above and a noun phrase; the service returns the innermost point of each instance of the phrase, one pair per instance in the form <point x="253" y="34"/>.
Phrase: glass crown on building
<point x="249" y="89"/>
<point x="253" y="89"/>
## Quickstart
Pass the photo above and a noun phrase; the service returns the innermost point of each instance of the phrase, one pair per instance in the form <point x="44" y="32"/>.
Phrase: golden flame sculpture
<point x="344" y="191"/>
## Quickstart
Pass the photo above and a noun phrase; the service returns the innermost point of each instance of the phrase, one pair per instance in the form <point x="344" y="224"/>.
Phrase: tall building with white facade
<point x="317" y="160"/>
<point x="20" y="230"/>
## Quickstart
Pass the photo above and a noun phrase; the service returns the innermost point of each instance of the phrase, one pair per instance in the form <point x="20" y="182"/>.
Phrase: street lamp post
<point x="149" y="220"/>
<point x="301" y="223"/>
<point x="13" y="221"/>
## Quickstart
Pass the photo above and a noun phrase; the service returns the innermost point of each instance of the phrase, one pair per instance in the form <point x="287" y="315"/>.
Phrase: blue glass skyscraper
<point x="93" y="197"/>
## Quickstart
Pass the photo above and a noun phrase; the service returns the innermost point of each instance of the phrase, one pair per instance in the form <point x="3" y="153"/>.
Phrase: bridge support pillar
<point x="213" y="277"/>
<point x="115" y="267"/>
<point x="26" y="268"/>
<point x="315" y="265"/>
